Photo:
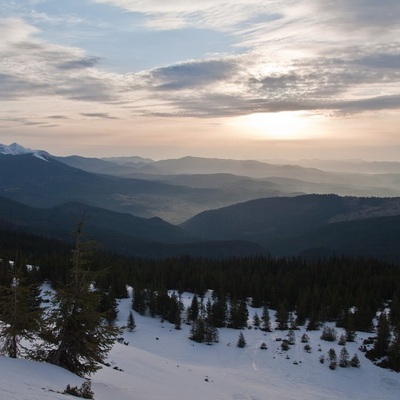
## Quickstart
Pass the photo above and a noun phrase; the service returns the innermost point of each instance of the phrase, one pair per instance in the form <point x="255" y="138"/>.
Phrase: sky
<point x="242" y="79"/>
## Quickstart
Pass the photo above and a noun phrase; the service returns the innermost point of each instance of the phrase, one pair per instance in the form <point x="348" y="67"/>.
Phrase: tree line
<point x="351" y="292"/>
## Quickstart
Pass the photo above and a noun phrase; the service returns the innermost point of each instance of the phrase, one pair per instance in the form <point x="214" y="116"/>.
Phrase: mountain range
<point x="209" y="207"/>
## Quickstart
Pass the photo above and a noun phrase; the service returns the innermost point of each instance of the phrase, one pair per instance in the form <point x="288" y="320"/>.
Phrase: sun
<point x="285" y="125"/>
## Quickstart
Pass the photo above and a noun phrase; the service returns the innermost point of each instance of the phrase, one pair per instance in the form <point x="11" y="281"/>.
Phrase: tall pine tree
<point x="78" y="337"/>
<point x="20" y="313"/>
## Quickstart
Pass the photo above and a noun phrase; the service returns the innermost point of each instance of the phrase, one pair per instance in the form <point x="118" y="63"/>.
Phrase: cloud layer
<point x="336" y="57"/>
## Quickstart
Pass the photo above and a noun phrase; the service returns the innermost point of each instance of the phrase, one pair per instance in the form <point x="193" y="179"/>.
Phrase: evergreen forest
<point x="358" y="294"/>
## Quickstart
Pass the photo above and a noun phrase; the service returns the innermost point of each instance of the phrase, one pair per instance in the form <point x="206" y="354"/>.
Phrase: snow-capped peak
<point x="15" y="149"/>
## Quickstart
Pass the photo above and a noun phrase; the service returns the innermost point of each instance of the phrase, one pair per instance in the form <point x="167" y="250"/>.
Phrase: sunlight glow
<point x="287" y="125"/>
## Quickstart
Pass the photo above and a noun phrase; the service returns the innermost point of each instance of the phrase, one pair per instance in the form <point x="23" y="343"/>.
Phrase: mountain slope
<point x="43" y="184"/>
<point x="121" y="233"/>
<point x="160" y="362"/>
<point x="291" y="225"/>
<point x="376" y="237"/>
<point x="253" y="176"/>
<point x="61" y="221"/>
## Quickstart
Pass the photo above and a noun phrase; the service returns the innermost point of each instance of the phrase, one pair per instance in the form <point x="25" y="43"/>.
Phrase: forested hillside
<point x="350" y="292"/>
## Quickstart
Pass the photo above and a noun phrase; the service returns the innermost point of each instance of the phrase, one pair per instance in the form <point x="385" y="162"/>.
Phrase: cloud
<point x="381" y="60"/>
<point x="15" y="30"/>
<point x="191" y="74"/>
<point x="21" y="121"/>
<point x="177" y="14"/>
<point x="32" y="67"/>
<point x="83" y="63"/>
<point x="295" y="55"/>
<point x="57" y="117"/>
<point x="98" y="115"/>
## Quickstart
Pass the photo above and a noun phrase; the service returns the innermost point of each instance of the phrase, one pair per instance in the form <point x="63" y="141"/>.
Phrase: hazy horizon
<point x="241" y="80"/>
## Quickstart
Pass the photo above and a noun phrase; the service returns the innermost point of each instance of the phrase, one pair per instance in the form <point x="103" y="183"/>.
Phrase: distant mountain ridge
<point x="16" y="149"/>
<point x="213" y="210"/>
<point x="122" y="233"/>
<point x="28" y="179"/>
<point x="294" y="225"/>
<point x="287" y="215"/>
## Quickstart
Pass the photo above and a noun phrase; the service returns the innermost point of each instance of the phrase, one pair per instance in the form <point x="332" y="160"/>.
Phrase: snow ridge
<point x="15" y="149"/>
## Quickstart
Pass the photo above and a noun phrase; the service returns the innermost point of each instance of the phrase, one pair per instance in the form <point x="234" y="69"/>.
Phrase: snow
<point x="160" y="362"/>
<point x="15" y="149"/>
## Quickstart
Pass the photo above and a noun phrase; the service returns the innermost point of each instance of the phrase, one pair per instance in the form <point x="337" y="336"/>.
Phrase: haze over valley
<point x="187" y="204"/>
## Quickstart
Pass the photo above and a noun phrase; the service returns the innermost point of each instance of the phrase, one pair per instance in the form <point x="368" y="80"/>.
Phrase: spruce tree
<point x="139" y="300"/>
<point x="241" y="341"/>
<point x="198" y="330"/>
<point x="256" y="320"/>
<point x="201" y="331"/>
<point x="344" y="358"/>
<point x="332" y="359"/>
<point x="211" y="334"/>
<point x="394" y="351"/>
<point x="77" y="337"/>
<point x="291" y="337"/>
<point x="305" y="338"/>
<point x="193" y="311"/>
<point x="109" y="306"/>
<point x="355" y="362"/>
<point x="381" y="345"/>
<point x="238" y="314"/>
<point x="265" y="319"/>
<point x="350" y="328"/>
<point x="282" y="316"/>
<point x="131" y="323"/>
<point x="219" y="312"/>
<point x="20" y="314"/>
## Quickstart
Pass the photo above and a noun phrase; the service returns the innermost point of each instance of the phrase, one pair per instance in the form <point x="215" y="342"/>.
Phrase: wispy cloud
<point x="297" y="55"/>
<point x="215" y="14"/>
<point x="191" y="74"/>
<point x="32" y="67"/>
<point x="57" y="117"/>
<point x="98" y="115"/>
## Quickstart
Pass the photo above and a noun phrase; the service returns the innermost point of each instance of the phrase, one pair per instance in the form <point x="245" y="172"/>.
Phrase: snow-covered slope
<point x="161" y="363"/>
<point x="15" y="149"/>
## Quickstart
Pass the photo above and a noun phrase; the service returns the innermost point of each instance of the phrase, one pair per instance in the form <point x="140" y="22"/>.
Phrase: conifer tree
<point x="256" y="320"/>
<point x="293" y="325"/>
<point x="282" y="316"/>
<point x="328" y="333"/>
<point x="350" y="328"/>
<point x="266" y="322"/>
<point x="201" y="331"/>
<point x="131" y="323"/>
<point x="193" y="311"/>
<point x="305" y="338"/>
<point x="152" y="303"/>
<point x="395" y="310"/>
<point x="332" y="358"/>
<point x="238" y="314"/>
<point x="344" y="358"/>
<point x="20" y="314"/>
<point x="211" y="334"/>
<point x="198" y="329"/>
<point x="355" y="362"/>
<point x="219" y="312"/>
<point x="109" y="306"/>
<point x="139" y="300"/>
<point x="77" y="337"/>
<point x="394" y="351"/>
<point x="241" y="340"/>
<point x="342" y="339"/>
<point x="381" y="345"/>
<point x="291" y="337"/>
